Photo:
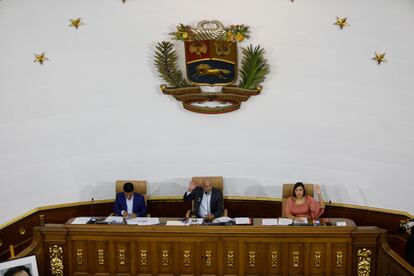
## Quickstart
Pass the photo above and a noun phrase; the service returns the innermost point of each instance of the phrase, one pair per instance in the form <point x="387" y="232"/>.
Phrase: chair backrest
<point x="287" y="191"/>
<point x="216" y="181"/>
<point x="140" y="186"/>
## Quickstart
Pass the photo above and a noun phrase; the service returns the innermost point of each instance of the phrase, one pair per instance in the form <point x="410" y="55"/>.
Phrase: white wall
<point x="94" y="113"/>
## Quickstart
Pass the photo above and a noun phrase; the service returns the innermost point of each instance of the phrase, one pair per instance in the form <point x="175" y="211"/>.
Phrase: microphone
<point x="92" y="220"/>
<point x="328" y="223"/>
<point x="208" y="203"/>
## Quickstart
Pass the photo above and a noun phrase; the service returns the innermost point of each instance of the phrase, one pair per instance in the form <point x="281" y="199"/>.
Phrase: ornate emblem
<point x="79" y="256"/>
<point x="274" y="258"/>
<point x="364" y="262"/>
<point x="211" y="67"/>
<point x="252" y="259"/>
<point x="56" y="260"/>
<point x="187" y="258"/>
<point x="143" y="254"/>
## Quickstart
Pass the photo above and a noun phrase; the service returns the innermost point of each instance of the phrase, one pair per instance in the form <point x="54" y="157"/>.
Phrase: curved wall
<point x="94" y="113"/>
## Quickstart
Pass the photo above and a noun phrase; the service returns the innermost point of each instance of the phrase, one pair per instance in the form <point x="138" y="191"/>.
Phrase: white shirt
<point x="204" y="209"/>
<point x="130" y="204"/>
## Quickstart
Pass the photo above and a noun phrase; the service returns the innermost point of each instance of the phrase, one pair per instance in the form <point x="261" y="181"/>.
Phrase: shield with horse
<point x="211" y="58"/>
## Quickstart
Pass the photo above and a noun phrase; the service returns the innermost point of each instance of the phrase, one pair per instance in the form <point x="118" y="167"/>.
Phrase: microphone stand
<point x="328" y="223"/>
<point x="92" y="220"/>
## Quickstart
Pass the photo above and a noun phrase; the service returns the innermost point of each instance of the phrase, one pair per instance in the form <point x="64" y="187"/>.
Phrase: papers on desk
<point x="340" y="223"/>
<point x="222" y="220"/>
<point x="285" y="221"/>
<point x="175" y="223"/>
<point x="269" y="222"/>
<point x="143" y="221"/>
<point x="114" y="219"/>
<point x="276" y="221"/>
<point x="197" y="221"/>
<point x="81" y="220"/>
<point x="243" y="220"/>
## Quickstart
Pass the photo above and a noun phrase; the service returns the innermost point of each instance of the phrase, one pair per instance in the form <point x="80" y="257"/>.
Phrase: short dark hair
<point x="16" y="269"/>
<point x="128" y="187"/>
<point x="298" y="184"/>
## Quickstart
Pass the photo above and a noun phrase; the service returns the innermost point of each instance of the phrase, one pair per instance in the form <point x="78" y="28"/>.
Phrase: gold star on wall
<point x="75" y="23"/>
<point x="40" y="58"/>
<point x="379" y="58"/>
<point x="341" y="22"/>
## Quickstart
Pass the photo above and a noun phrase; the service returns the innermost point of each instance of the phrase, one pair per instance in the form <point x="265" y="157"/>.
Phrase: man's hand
<point x="133" y="215"/>
<point x="191" y="186"/>
<point x="318" y="189"/>
<point x="124" y="214"/>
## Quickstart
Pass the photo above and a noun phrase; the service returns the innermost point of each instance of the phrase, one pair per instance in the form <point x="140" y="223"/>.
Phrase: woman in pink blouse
<point x="302" y="205"/>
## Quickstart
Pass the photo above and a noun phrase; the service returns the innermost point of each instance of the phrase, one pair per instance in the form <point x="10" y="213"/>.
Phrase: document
<point x="243" y="220"/>
<point x="81" y="220"/>
<point x="175" y="223"/>
<point x="285" y="221"/>
<point x="143" y="221"/>
<point x="270" y="221"/>
<point x="114" y="219"/>
<point x="340" y="223"/>
<point x="301" y="220"/>
<point x="222" y="220"/>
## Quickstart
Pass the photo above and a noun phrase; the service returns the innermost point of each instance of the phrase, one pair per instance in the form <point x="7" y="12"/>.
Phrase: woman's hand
<point x="318" y="189"/>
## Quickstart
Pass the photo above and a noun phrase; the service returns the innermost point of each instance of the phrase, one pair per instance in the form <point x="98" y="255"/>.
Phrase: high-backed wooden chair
<point x="287" y="191"/>
<point x="140" y="186"/>
<point x="215" y="181"/>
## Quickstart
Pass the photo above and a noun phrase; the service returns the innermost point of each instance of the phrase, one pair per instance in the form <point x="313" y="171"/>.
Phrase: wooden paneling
<point x="213" y="250"/>
<point x="173" y="208"/>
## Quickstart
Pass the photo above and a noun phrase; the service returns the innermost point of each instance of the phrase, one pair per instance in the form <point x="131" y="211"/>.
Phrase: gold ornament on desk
<point x="76" y="22"/>
<point x="341" y="22"/>
<point x="212" y="69"/>
<point x="379" y="58"/>
<point x="40" y="58"/>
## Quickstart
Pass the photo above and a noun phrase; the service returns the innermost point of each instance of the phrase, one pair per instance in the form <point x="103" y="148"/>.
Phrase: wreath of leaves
<point x="166" y="64"/>
<point x="254" y="67"/>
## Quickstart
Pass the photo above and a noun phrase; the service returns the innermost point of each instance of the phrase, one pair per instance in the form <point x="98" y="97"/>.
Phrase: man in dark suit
<point x="130" y="203"/>
<point x="208" y="201"/>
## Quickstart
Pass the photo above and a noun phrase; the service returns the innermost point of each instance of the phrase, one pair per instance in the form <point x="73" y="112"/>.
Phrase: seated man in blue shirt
<point x="130" y="203"/>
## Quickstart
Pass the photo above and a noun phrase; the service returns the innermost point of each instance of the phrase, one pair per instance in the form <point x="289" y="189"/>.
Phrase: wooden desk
<point x="204" y="250"/>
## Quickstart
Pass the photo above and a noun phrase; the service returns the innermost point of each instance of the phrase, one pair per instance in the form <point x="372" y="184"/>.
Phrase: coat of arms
<point x="211" y="62"/>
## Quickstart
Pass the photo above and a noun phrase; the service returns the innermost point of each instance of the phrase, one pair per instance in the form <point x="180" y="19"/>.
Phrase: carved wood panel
<point x="122" y="257"/>
<point x="253" y="258"/>
<point x="339" y="258"/>
<point x="143" y="263"/>
<point x="165" y="254"/>
<point x="79" y="259"/>
<point x="230" y="258"/>
<point x="186" y="259"/>
<point x="273" y="259"/>
<point x="296" y="259"/>
<point x="209" y="260"/>
<point x="318" y="258"/>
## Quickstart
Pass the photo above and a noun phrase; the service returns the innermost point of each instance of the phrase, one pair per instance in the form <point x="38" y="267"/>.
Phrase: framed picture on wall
<point x="21" y="266"/>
